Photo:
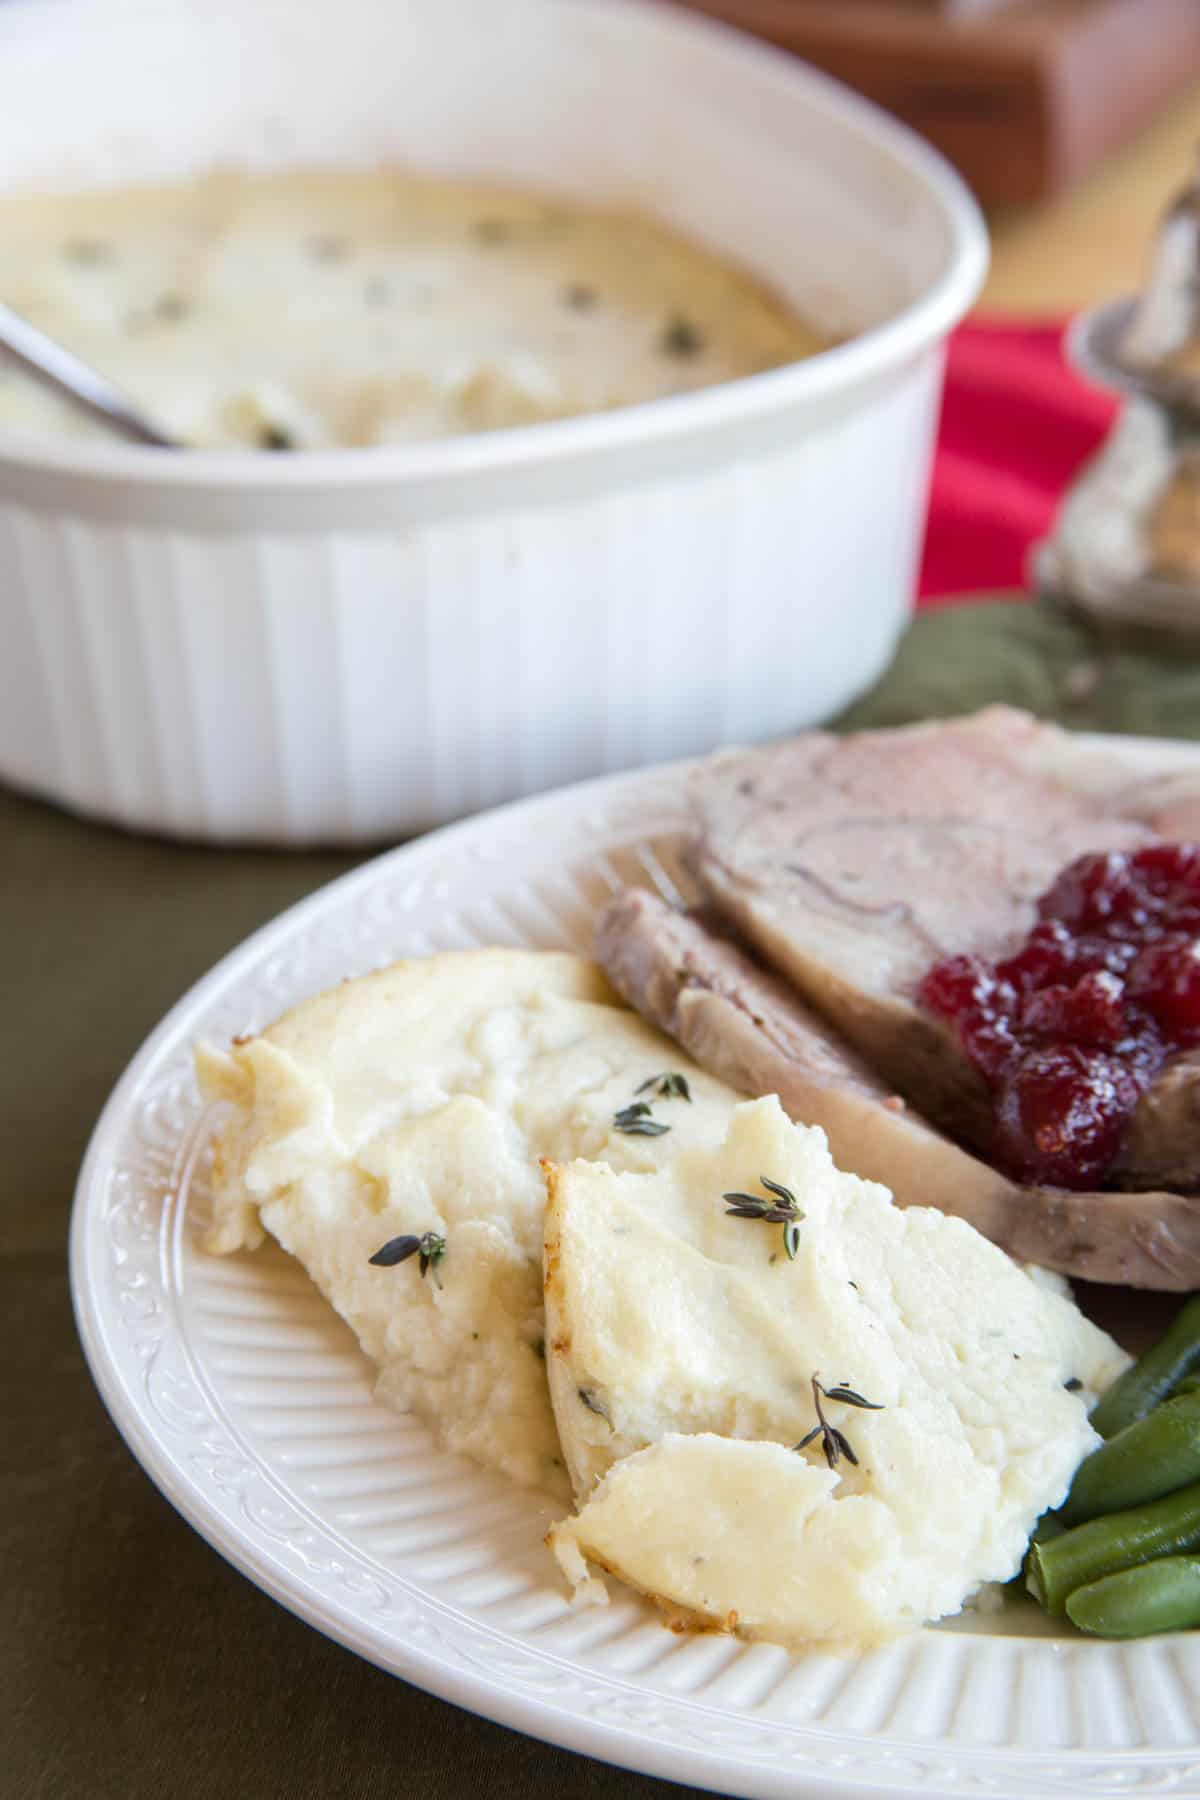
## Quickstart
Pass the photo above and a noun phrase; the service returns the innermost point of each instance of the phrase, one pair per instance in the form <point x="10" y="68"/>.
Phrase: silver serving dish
<point x="1126" y="543"/>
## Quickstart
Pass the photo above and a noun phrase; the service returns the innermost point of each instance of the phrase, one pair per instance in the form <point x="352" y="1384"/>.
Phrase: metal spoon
<point x="58" y="368"/>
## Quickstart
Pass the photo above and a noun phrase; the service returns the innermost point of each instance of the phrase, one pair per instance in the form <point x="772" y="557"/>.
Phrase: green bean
<point x="1152" y="1377"/>
<point x="1158" y="1596"/>
<point x="1150" y="1458"/>
<point x="1046" y="1528"/>
<point x="1055" y="1567"/>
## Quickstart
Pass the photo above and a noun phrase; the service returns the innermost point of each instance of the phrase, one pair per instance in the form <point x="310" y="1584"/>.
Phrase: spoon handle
<point x="54" y="365"/>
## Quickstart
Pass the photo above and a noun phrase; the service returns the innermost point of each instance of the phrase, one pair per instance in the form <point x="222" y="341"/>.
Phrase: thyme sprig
<point x="834" y="1443"/>
<point x="429" y="1250"/>
<point x="783" y="1209"/>
<point x="670" y="1085"/>
<point x="635" y="1120"/>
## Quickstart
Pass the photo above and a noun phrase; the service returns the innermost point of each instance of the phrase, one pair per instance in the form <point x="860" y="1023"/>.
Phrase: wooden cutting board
<point x="1024" y="96"/>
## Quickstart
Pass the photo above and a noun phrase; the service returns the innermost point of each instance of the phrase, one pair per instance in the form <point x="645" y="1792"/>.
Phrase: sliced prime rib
<point x="749" y="1028"/>
<point x="852" y="864"/>
<point x="1162" y="1142"/>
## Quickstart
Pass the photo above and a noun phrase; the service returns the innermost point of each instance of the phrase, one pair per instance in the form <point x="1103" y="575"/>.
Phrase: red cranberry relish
<point x="1070" y="1031"/>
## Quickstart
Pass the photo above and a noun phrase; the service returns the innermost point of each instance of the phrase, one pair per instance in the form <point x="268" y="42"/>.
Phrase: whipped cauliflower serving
<point x="419" y="1100"/>
<point x="309" y="309"/>
<point x="683" y="1344"/>
<point x="817" y="1419"/>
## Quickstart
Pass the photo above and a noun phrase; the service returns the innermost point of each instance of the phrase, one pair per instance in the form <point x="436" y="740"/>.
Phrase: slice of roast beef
<point x="749" y="1028"/>
<point x="852" y="864"/>
<point x="1162" y="1141"/>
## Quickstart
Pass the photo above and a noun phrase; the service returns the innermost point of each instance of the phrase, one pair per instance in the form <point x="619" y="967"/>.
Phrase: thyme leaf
<point x="834" y="1442"/>
<point x="749" y="1206"/>
<point x="781" y="1209"/>
<point x="329" y="247"/>
<point x="491" y="231"/>
<point x="396" y="1250"/>
<point x="595" y="1405"/>
<point x="171" y="307"/>
<point x="848" y="1395"/>
<point x="635" y="1121"/>
<point x="432" y="1250"/>
<point x="843" y="1444"/>
<point x="668" y="1086"/>
<point x="88" y="252"/>
<point x="429" y="1250"/>
<point x="275" y="437"/>
<point x="680" y="338"/>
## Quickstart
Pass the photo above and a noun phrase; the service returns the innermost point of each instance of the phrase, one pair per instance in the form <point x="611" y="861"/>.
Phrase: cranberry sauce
<point x="1070" y="1031"/>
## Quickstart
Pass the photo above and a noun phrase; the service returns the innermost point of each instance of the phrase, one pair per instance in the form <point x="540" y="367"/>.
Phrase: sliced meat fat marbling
<point x="750" y="1029"/>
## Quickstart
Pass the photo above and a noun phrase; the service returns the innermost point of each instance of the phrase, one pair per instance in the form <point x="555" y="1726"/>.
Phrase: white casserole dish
<point x="346" y="646"/>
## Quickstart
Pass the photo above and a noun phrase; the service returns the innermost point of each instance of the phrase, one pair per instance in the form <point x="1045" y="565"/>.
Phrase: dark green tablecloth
<point x="133" y="1661"/>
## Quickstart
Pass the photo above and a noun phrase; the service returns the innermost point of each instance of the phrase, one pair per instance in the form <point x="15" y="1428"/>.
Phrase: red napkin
<point x="1017" y="422"/>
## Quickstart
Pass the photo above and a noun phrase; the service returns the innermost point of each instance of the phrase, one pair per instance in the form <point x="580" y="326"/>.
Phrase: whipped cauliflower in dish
<point x="310" y="309"/>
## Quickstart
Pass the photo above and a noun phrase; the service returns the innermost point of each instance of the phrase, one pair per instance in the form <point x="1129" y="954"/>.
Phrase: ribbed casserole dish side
<point x="348" y="646"/>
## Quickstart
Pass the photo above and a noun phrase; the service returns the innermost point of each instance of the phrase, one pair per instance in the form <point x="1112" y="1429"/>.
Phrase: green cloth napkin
<point x="1036" y="656"/>
<point x="134" y="1662"/>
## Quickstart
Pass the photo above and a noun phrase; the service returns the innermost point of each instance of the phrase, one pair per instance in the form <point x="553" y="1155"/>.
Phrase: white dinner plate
<point x="248" y="1403"/>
